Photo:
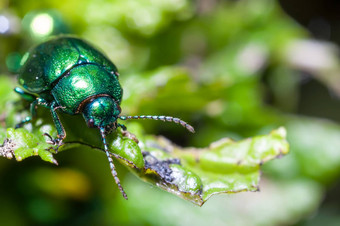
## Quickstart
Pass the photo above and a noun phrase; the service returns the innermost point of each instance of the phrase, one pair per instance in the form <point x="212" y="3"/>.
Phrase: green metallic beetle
<point x="69" y="74"/>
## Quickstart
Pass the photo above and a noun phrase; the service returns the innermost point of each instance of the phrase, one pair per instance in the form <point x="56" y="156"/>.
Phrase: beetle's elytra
<point x="68" y="74"/>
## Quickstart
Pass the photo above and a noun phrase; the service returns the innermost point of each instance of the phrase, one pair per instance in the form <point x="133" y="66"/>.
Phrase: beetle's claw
<point x="49" y="136"/>
<point x="58" y="141"/>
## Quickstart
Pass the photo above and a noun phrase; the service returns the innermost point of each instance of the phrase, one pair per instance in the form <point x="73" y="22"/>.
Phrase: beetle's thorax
<point x="101" y="112"/>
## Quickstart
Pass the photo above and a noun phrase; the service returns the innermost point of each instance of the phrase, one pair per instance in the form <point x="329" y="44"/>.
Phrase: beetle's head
<point x="102" y="112"/>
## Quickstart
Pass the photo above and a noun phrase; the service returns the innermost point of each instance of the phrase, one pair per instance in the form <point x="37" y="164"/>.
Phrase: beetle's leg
<point x="27" y="96"/>
<point x="130" y="136"/>
<point x="60" y="129"/>
<point x="33" y="108"/>
<point x="112" y="166"/>
<point x="127" y="133"/>
<point x="38" y="102"/>
<point x="23" y="122"/>
<point x="122" y="126"/>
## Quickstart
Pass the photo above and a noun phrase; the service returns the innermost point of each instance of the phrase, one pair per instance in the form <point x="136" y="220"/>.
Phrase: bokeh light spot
<point x="4" y="24"/>
<point x="42" y="24"/>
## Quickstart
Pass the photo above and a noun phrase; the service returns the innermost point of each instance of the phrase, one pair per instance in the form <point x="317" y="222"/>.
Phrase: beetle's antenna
<point x="112" y="166"/>
<point x="162" y="118"/>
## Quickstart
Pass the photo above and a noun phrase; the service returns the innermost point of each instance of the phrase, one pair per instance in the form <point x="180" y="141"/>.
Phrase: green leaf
<point x="23" y="144"/>
<point x="225" y="166"/>
<point x="194" y="174"/>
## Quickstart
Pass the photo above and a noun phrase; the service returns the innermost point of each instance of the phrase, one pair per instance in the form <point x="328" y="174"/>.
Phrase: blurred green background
<point x="230" y="68"/>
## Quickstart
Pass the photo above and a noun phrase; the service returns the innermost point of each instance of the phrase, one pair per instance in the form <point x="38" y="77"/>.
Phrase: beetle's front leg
<point x="33" y="109"/>
<point x="27" y="96"/>
<point x="127" y="133"/>
<point x="60" y="129"/>
<point x="121" y="126"/>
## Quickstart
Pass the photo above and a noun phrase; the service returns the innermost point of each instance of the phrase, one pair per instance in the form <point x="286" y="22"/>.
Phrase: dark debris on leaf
<point x="161" y="167"/>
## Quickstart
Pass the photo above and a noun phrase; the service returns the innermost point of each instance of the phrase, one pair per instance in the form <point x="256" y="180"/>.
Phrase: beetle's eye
<point x="90" y="123"/>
